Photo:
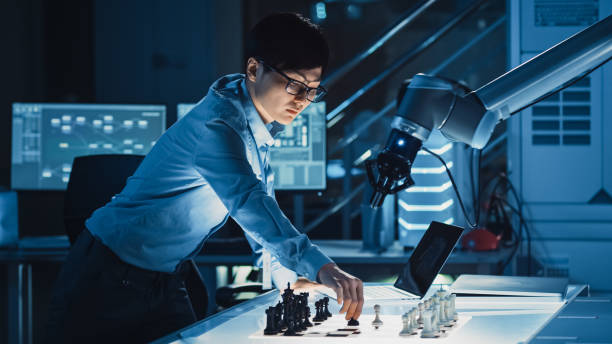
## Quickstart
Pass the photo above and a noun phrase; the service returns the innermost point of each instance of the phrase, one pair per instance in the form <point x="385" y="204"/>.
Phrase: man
<point x="124" y="277"/>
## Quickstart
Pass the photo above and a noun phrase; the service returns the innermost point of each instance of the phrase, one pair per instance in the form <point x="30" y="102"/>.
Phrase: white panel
<point x="535" y="38"/>
<point x="563" y="173"/>
<point x="588" y="261"/>
<point x="570" y="230"/>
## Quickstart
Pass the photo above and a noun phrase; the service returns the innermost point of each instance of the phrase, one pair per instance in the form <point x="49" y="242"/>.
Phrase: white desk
<point x="493" y="320"/>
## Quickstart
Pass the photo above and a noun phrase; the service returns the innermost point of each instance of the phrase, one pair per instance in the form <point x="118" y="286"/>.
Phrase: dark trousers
<point x="98" y="298"/>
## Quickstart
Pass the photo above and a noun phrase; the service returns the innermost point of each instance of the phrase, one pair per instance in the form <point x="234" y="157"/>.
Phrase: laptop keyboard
<point x="381" y="292"/>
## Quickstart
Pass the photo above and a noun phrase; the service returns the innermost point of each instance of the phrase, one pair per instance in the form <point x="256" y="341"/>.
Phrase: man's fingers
<point x="339" y="294"/>
<point x="347" y="296"/>
<point x="359" y="307"/>
<point x="353" y="292"/>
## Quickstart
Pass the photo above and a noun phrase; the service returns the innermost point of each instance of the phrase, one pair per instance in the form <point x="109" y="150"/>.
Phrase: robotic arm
<point x="470" y="116"/>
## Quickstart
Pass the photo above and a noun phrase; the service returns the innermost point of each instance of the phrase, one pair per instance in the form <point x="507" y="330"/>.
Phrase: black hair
<point x="288" y="41"/>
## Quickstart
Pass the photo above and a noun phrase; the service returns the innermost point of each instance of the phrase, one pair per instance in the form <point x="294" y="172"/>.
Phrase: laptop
<point x="509" y="285"/>
<point x="419" y="272"/>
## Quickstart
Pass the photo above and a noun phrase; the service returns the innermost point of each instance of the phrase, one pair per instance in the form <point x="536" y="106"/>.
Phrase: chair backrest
<point x="94" y="180"/>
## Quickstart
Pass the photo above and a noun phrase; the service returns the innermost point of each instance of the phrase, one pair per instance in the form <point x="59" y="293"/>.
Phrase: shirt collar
<point x="264" y="134"/>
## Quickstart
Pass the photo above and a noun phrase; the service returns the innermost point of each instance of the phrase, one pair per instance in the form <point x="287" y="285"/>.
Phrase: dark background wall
<point x="138" y="52"/>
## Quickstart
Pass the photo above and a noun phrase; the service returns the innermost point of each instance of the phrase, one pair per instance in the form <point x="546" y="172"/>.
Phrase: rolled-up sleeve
<point x="222" y="161"/>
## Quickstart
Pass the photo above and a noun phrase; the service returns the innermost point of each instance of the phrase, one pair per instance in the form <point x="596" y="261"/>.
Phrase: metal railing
<point x="333" y="118"/>
<point x="404" y="20"/>
<point x="404" y="59"/>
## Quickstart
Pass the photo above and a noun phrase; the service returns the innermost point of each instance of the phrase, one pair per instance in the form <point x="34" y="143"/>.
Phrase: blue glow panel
<point x="298" y="157"/>
<point x="47" y="137"/>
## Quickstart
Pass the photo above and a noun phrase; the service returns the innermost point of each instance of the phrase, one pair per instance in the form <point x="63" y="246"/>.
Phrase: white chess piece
<point x="454" y="313"/>
<point x="442" y="312"/>
<point x="421" y="308"/>
<point x="448" y="322"/>
<point x="406" y="329"/>
<point x="377" y="322"/>
<point x="435" y="321"/>
<point x="413" y="319"/>
<point x="428" y="331"/>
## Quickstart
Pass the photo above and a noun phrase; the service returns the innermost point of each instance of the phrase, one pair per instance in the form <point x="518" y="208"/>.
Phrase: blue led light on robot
<point x="420" y="226"/>
<point x="421" y="207"/>
<point x="321" y="10"/>
<point x="400" y="142"/>
<point x="431" y="170"/>
<point x="430" y="189"/>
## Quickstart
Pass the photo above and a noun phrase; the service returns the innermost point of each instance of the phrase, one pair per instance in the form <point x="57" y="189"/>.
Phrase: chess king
<point x="127" y="270"/>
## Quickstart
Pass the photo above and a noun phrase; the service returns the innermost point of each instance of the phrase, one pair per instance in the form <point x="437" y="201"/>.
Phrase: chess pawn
<point x="427" y="304"/>
<point x="421" y="308"/>
<point x="407" y="326"/>
<point x="428" y="331"/>
<point x="453" y="311"/>
<point x="377" y="322"/>
<point x="317" y="317"/>
<point x="326" y="303"/>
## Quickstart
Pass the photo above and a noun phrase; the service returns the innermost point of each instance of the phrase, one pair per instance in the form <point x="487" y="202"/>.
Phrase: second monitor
<point x="298" y="157"/>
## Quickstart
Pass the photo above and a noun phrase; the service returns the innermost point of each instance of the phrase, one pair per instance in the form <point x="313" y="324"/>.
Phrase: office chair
<point x="94" y="180"/>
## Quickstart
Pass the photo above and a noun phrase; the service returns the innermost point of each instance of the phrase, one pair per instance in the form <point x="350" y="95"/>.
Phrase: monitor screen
<point x="47" y="137"/>
<point x="298" y="157"/>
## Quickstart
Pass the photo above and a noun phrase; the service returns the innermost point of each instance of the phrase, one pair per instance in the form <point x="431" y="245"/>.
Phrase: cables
<point x="472" y="225"/>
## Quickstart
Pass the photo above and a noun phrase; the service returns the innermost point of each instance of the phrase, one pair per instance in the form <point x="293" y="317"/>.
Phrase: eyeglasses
<point x="298" y="88"/>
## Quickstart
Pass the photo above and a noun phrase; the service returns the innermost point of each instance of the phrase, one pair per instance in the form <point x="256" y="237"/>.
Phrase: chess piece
<point x="442" y="312"/>
<point x="413" y="319"/>
<point x="407" y="326"/>
<point x="377" y="322"/>
<point x="427" y="331"/>
<point x="435" y="319"/>
<point x="326" y="303"/>
<point x="448" y="320"/>
<point x="318" y="317"/>
<point x="421" y="308"/>
<point x="270" y="322"/>
<point x="290" y="327"/>
<point x="278" y="317"/>
<point x="453" y="311"/>
<point x="353" y="322"/>
<point x="306" y="311"/>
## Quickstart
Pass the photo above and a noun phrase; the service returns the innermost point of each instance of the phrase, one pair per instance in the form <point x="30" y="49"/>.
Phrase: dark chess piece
<point x="290" y="327"/>
<point x="278" y="317"/>
<point x="288" y="293"/>
<point x="327" y="313"/>
<point x="318" y="317"/>
<point x="270" y="321"/>
<point x="306" y="311"/>
<point x="353" y="322"/>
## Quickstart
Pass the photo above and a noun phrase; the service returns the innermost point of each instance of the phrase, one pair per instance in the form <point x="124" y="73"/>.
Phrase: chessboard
<point x="336" y="326"/>
<point x="434" y="318"/>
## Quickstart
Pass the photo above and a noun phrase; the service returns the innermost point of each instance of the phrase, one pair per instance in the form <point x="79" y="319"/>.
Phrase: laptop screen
<point x="428" y="258"/>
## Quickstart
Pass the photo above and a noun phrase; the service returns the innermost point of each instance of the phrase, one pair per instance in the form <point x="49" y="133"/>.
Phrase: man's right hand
<point x="349" y="289"/>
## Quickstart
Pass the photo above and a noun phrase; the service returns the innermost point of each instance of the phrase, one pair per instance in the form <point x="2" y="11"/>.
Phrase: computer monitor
<point x="298" y="157"/>
<point x="47" y="137"/>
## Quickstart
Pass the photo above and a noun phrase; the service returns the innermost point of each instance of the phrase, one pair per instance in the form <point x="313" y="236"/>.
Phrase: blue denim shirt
<point x="211" y="164"/>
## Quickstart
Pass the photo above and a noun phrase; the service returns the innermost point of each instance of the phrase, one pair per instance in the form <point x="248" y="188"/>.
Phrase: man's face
<point x="269" y="94"/>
